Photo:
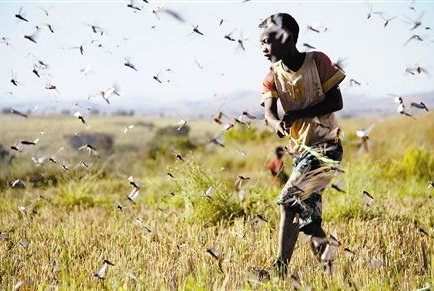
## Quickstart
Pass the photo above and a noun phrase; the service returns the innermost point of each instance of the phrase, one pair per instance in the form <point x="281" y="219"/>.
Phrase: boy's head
<point x="279" y="152"/>
<point x="279" y="34"/>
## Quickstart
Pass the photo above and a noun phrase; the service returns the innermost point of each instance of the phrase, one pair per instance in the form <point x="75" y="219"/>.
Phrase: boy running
<point x="307" y="86"/>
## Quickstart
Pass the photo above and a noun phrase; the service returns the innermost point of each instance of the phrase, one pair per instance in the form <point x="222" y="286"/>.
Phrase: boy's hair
<point x="283" y="21"/>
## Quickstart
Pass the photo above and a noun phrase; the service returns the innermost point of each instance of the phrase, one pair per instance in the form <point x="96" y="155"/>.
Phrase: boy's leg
<point x="289" y="221"/>
<point x="288" y="234"/>
<point x="318" y="240"/>
<point x="289" y="228"/>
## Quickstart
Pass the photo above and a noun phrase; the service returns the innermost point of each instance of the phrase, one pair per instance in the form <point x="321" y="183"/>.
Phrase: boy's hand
<point x="289" y="118"/>
<point x="280" y="128"/>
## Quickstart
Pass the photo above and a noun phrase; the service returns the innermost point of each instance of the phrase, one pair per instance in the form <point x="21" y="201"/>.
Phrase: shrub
<point x="169" y="138"/>
<point x="267" y="134"/>
<point x="101" y="141"/>
<point x="85" y="189"/>
<point x="193" y="182"/>
<point x="242" y="134"/>
<point x="417" y="162"/>
<point x="350" y="210"/>
<point x="3" y="152"/>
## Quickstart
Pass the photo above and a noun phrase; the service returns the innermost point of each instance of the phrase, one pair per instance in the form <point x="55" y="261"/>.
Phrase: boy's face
<point x="272" y="47"/>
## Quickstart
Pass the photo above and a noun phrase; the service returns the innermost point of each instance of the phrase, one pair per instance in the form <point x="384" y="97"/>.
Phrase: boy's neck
<point x="293" y="61"/>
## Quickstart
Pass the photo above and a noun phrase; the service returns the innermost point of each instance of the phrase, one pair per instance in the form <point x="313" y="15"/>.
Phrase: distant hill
<point x="233" y="104"/>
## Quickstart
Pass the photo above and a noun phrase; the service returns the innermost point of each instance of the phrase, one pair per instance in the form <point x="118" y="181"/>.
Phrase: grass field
<point x="71" y="221"/>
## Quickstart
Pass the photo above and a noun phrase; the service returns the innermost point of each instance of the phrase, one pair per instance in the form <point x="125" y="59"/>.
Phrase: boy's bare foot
<point x="280" y="266"/>
<point x="318" y="245"/>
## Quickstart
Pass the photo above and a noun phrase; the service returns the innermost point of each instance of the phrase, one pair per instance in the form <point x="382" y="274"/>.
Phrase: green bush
<point x="193" y="182"/>
<point x="85" y="189"/>
<point x="417" y="162"/>
<point x="267" y="134"/>
<point x="242" y="135"/>
<point x="347" y="210"/>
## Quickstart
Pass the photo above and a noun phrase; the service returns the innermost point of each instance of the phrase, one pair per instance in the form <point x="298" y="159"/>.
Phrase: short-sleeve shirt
<point x="304" y="88"/>
<point x="275" y="166"/>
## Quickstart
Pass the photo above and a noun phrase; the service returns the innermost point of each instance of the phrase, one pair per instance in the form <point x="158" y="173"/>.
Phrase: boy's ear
<point x="284" y="36"/>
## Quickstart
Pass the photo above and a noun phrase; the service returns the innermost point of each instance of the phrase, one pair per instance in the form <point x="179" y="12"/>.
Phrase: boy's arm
<point x="269" y="101"/>
<point x="332" y="102"/>
<point x="271" y="115"/>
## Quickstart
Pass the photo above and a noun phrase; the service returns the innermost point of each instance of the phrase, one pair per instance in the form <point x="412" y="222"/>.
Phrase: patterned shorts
<point x="309" y="209"/>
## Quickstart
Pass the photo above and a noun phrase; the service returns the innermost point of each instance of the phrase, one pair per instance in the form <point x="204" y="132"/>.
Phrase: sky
<point x="374" y="55"/>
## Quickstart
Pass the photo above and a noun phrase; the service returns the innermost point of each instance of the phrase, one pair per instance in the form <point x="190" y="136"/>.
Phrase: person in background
<point x="277" y="168"/>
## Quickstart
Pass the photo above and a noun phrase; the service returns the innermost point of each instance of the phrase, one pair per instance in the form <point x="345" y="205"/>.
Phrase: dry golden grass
<point x="77" y="224"/>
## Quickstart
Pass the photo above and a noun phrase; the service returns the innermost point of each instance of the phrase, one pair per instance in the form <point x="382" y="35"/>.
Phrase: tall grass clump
<point x="85" y="189"/>
<point x="193" y="182"/>
<point x="242" y="134"/>
<point x="417" y="162"/>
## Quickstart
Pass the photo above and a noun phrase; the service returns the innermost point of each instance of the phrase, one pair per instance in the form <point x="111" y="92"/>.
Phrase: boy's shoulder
<point x="320" y="57"/>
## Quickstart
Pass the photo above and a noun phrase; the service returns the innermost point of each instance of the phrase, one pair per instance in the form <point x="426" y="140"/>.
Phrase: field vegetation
<point x="58" y="226"/>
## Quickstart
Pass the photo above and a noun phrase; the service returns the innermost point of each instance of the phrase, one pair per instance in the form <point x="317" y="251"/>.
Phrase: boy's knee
<point x="290" y="214"/>
<point x="314" y="229"/>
